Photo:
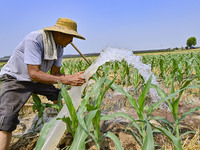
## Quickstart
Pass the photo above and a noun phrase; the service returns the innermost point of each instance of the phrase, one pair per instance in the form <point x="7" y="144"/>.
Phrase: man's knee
<point x="50" y="91"/>
<point x="8" y="122"/>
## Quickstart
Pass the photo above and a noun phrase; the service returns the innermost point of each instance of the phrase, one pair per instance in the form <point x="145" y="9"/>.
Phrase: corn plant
<point x="95" y="107"/>
<point x="173" y="103"/>
<point x="144" y="133"/>
<point x="79" y="124"/>
<point x="40" y="107"/>
<point x="173" y="68"/>
<point x="170" y="65"/>
<point x="72" y="66"/>
<point x="143" y="129"/>
<point x="137" y="80"/>
<point x="174" y="134"/>
<point x="122" y="70"/>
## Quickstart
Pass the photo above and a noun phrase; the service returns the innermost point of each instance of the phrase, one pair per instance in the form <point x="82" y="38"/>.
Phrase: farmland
<point x="121" y="111"/>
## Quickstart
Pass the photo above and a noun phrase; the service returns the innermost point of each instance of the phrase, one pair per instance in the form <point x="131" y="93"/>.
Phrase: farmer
<point x="25" y="72"/>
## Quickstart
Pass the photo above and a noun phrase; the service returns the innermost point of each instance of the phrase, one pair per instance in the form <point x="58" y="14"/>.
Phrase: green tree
<point x="192" y="41"/>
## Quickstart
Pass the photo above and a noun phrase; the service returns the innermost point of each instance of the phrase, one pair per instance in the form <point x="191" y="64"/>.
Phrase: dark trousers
<point x="14" y="94"/>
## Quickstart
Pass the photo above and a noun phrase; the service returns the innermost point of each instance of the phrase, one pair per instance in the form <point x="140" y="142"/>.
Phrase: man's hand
<point x="39" y="76"/>
<point x="74" y="80"/>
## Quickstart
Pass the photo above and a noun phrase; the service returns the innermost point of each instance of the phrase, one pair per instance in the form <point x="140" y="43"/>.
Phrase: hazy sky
<point x="131" y="24"/>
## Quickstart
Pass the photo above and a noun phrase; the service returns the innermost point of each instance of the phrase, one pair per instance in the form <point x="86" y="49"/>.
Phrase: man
<point x="25" y="72"/>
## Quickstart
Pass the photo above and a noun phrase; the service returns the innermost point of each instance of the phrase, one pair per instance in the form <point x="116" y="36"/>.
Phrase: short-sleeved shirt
<point x="30" y="51"/>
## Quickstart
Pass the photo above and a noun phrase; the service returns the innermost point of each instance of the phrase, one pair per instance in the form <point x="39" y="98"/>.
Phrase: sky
<point x="126" y="24"/>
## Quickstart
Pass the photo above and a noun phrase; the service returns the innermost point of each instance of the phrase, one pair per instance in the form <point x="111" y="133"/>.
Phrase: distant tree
<point x="192" y="41"/>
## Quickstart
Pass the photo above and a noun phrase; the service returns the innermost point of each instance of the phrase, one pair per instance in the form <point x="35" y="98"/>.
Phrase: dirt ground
<point x="25" y="136"/>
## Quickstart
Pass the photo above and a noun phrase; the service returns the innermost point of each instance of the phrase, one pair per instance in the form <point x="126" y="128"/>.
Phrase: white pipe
<point x="59" y="128"/>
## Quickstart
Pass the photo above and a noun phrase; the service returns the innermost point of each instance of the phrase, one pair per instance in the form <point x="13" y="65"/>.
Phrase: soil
<point x="25" y="136"/>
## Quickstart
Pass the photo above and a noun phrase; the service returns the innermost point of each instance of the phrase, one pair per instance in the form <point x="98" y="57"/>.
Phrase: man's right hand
<point x="74" y="80"/>
<point x="37" y="75"/>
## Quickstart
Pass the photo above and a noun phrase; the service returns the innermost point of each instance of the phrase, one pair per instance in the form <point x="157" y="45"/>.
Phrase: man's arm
<point x="39" y="76"/>
<point x="56" y="71"/>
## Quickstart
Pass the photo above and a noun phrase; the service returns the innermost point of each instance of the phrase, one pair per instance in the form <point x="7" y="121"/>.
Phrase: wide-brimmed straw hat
<point x="66" y="26"/>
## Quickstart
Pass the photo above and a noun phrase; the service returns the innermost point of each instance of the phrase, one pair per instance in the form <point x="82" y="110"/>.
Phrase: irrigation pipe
<point x="85" y="59"/>
<point x="83" y="56"/>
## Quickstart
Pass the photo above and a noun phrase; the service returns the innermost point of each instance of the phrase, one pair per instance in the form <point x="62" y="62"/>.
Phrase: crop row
<point x="178" y="72"/>
<point x="181" y="70"/>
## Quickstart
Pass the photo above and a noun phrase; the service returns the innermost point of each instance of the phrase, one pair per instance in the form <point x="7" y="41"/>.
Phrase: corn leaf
<point x="103" y="93"/>
<point x="96" y="124"/>
<point x="188" y="113"/>
<point x="70" y="107"/>
<point x="176" y="141"/>
<point x="119" y="89"/>
<point x="44" y="133"/>
<point x="164" y="123"/>
<point x="68" y="122"/>
<point x="112" y="136"/>
<point x="81" y="134"/>
<point x="83" y="107"/>
<point x="123" y="115"/>
<point x="144" y="93"/>
<point x="148" y="140"/>
<point x="165" y="97"/>
<point x="94" y="90"/>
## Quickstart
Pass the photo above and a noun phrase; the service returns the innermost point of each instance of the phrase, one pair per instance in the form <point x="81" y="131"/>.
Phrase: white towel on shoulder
<point x="50" y="50"/>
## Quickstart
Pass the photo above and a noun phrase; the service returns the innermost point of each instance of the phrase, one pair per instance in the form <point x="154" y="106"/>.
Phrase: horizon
<point x="5" y="58"/>
<point x="133" y="25"/>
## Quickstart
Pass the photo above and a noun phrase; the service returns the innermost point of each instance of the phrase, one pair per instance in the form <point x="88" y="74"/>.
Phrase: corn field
<point x="178" y="73"/>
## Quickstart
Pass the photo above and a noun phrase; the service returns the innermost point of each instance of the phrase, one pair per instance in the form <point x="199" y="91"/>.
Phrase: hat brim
<point x="63" y="30"/>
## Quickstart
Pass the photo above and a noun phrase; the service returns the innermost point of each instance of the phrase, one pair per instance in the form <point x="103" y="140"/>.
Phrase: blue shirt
<point x="30" y="51"/>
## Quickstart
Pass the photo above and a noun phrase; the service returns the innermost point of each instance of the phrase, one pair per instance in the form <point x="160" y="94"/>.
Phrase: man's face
<point x="62" y="39"/>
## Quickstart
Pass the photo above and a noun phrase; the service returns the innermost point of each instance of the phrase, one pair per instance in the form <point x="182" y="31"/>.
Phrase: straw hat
<point x="66" y="26"/>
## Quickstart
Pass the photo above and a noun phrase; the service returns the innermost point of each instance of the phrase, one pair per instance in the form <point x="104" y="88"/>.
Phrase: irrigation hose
<point x="83" y="56"/>
<point x="85" y="59"/>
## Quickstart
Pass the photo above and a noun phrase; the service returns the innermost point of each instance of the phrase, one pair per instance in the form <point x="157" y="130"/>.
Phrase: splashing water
<point x="107" y="55"/>
<point x="115" y="54"/>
